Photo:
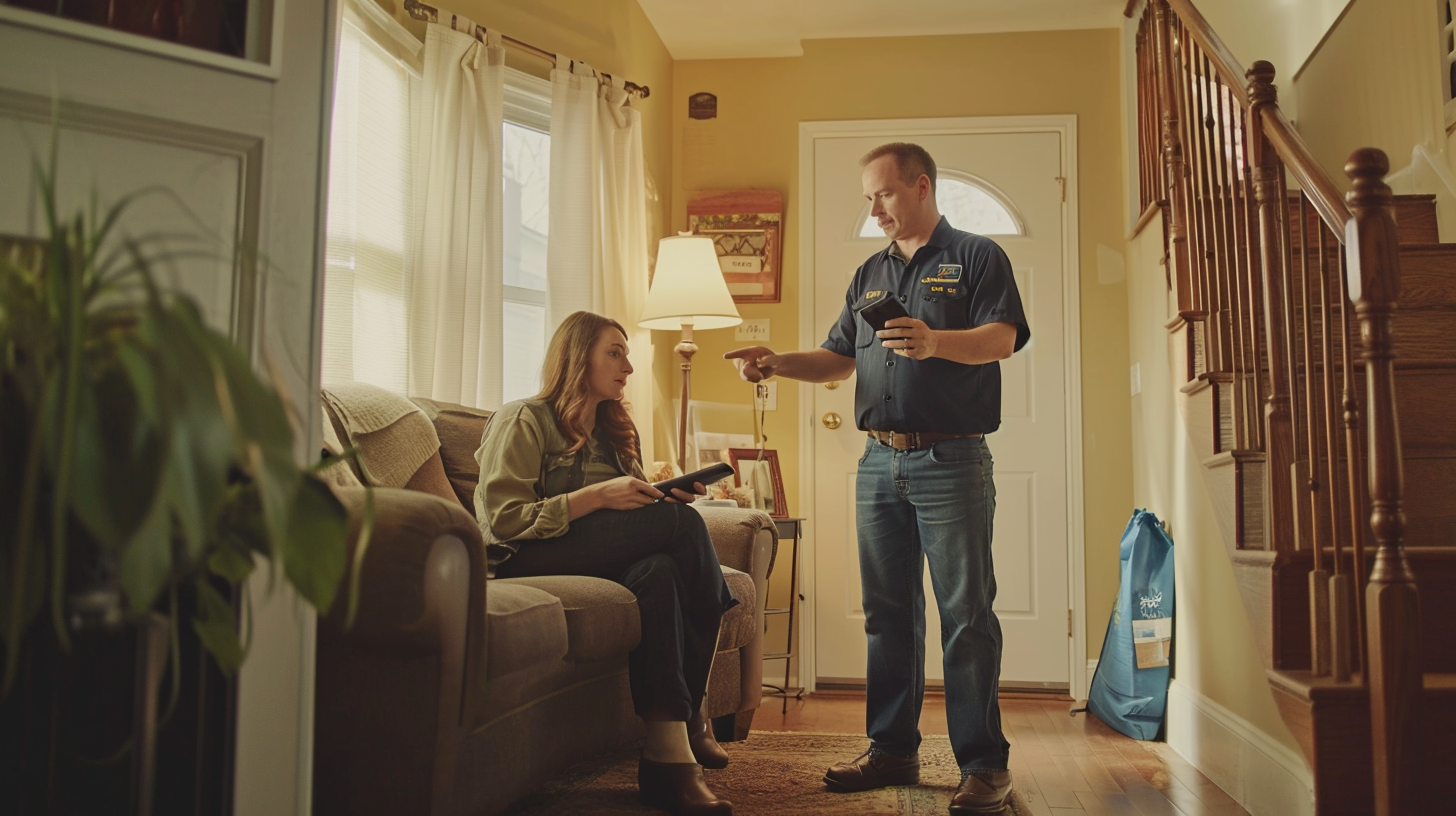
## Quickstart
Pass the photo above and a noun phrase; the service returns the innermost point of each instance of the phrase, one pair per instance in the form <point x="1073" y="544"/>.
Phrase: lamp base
<point x="686" y="348"/>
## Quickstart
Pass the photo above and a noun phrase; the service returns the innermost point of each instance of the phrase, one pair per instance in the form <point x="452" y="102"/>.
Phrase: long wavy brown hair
<point x="564" y="387"/>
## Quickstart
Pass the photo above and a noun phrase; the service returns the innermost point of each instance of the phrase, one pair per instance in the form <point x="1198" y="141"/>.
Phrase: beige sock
<point x="667" y="741"/>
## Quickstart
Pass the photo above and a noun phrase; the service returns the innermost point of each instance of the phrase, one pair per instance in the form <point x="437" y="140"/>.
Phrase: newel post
<point x="1278" y="425"/>
<point x="1393" y="604"/>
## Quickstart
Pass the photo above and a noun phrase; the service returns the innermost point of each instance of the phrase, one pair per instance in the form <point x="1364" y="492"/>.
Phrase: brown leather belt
<point x="913" y="440"/>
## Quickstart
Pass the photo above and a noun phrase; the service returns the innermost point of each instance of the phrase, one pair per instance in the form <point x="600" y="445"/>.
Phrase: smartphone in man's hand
<point x="879" y="306"/>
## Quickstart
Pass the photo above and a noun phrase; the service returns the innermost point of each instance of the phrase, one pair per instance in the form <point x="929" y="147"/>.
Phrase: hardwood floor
<point x="1067" y="766"/>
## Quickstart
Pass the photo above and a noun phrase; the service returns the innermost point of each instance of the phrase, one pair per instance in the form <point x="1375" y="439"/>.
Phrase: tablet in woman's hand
<point x="707" y="476"/>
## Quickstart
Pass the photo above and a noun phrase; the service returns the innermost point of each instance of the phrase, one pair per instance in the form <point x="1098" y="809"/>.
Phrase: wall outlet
<point x="1137" y="379"/>
<point x="754" y="331"/>
<point x="766" y="394"/>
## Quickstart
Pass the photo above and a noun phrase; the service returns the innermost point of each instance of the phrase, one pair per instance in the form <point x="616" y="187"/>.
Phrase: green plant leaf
<point x="199" y="465"/>
<point x="240" y="524"/>
<point x="313" y="550"/>
<point x="217" y="627"/>
<point x="146" y="560"/>
<point x="232" y="560"/>
<point x="114" y="475"/>
<point x="257" y="416"/>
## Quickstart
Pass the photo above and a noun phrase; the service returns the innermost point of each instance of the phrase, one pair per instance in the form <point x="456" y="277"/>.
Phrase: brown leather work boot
<point x="982" y="794"/>
<point x="873" y="769"/>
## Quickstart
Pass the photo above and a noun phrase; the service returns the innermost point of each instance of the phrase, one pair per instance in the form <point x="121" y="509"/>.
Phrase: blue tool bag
<point x="1130" y="687"/>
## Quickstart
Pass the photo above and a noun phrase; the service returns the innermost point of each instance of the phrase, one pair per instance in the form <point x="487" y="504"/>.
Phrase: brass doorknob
<point x="832" y="385"/>
<point x="830" y="420"/>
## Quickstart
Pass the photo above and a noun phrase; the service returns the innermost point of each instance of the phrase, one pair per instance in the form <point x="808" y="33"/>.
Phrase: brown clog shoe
<point x="678" y="788"/>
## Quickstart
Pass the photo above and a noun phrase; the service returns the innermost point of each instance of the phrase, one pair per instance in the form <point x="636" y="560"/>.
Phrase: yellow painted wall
<point x="1284" y="32"/>
<point x="1376" y="82"/>
<point x="753" y="143"/>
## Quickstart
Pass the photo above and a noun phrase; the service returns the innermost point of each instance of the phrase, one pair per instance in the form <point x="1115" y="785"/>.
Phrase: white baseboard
<point x="1265" y="776"/>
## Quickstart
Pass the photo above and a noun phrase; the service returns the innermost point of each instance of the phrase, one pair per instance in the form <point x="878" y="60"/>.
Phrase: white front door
<point x="1023" y="167"/>
<point x="235" y="144"/>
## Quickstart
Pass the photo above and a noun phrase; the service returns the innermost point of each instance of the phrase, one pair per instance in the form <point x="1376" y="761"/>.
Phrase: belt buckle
<point x="907" y="441"/>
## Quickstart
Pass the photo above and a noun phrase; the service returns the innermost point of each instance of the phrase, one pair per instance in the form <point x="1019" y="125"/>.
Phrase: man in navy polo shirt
<point x="928" y="391"/>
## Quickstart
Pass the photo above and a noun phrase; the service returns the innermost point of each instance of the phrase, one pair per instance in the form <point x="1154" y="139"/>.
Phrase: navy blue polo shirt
<point x="956" y="281"/>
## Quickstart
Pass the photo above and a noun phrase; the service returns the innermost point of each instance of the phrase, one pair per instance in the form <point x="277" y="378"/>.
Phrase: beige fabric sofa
<point x="453" y="693"/>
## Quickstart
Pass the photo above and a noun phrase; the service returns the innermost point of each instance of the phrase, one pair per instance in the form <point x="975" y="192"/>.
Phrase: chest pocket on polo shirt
<point x="943" y="303"/>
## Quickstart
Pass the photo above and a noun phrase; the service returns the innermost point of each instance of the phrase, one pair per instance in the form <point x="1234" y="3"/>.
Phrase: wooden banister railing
<point x="1261" y="275"/>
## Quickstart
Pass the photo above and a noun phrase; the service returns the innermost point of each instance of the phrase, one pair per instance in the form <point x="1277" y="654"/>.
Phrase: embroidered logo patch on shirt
<point x="945" y="273"/>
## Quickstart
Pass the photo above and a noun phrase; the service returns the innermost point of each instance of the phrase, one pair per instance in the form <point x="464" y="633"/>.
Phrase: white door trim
<point x="810" y="337"/>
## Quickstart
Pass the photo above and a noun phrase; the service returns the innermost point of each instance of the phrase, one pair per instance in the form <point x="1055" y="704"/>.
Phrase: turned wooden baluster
<point x="1174" y="180"/>
<point x="1392" y="602"/>
<point x="1278" y="423"/>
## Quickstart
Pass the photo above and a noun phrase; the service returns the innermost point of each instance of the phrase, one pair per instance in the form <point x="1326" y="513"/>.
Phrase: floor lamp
<point x="688" y="291"/>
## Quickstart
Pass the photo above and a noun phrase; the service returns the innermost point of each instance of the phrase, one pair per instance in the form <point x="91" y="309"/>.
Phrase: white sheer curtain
<point x="455" y="293"/>
<point x="597" y="255"/>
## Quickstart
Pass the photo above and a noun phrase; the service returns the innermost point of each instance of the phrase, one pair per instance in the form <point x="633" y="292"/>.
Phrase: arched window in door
<point x="969" y="203"/>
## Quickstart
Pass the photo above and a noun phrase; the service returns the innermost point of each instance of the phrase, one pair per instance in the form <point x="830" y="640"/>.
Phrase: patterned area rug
<point x="770" y="774"/>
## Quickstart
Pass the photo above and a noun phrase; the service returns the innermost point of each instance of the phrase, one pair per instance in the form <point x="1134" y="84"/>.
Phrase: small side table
<point x="789" y="529"/>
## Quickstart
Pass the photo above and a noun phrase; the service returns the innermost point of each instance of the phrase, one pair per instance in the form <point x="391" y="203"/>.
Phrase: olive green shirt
<point x="526" y="472"/>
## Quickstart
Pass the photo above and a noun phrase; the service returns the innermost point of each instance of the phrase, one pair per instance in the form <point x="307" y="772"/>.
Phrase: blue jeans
<point x="934" y="504"/>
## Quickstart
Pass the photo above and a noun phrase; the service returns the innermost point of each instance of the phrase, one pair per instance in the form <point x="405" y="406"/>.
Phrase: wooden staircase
<point x="1306" y="320"/>
<point x="1331" y="718"/>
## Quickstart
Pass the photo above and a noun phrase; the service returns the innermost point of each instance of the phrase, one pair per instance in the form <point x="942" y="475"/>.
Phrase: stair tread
<point x="1306" y="684"/>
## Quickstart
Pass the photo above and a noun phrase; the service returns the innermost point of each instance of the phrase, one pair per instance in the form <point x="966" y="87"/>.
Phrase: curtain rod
<point x="430" y="14"/>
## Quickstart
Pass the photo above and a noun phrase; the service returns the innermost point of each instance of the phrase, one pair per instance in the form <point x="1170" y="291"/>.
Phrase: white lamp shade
<point x="688" y="287"/>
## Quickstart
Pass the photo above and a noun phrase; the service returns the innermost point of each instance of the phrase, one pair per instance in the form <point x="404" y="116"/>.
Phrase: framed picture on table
<point x="759" y="469"/>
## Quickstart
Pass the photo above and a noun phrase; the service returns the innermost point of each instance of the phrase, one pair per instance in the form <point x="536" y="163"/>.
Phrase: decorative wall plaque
<point x="747" y="231"/>
<point x="703" y="106"/>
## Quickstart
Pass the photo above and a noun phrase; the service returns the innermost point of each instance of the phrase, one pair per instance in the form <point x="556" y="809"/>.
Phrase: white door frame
<point x="810" y="336"/>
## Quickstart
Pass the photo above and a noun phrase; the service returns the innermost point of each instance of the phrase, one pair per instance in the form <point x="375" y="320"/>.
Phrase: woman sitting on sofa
<point x="562" y="493"/>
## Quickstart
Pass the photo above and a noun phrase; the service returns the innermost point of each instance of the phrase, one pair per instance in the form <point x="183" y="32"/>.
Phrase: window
<point x="526" y="164"/>
<point x="367" y="236"/>
<point x="369" y="242"/>
<point x="967" y="202"/>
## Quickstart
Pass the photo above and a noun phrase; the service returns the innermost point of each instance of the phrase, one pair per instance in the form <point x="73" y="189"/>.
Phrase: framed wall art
<point x="759" y="469"/>
<point x="747" y="231"/>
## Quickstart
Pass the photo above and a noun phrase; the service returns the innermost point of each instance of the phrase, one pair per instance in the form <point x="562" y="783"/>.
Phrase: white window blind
<point x="526" y="164"/>
<point x="365" y="331"/>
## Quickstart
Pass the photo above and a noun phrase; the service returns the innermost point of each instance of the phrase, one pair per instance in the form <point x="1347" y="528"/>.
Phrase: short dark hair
<point x="912" y="159"/>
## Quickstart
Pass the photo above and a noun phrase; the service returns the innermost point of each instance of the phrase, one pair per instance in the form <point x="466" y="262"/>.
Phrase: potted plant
<point x="145" y="469"/>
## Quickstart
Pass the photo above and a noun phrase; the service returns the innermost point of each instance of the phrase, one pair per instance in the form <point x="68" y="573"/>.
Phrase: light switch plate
<point x="754" y="331"/>
<point x="1137" y="379"/>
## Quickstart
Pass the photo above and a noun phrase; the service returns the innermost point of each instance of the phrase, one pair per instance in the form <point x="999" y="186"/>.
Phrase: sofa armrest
<point x="746" y="540"/>
<point x="738" y="539"/>
<point x="421" y="587"/>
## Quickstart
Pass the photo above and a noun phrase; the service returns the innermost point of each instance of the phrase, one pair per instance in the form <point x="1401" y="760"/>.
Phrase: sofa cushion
<point x="601" y="615"/>
<point x="738" y="625"/>
<point x="459" y="428"/>
<point x="525" y="626"/>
